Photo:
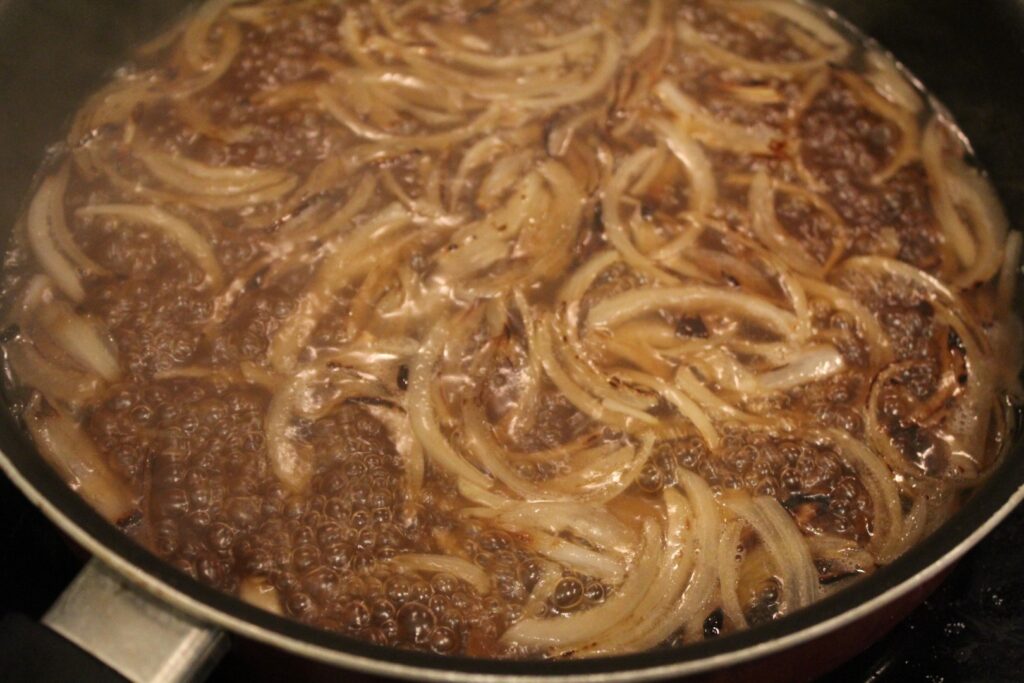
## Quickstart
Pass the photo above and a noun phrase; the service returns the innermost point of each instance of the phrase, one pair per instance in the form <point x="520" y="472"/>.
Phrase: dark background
<point x="970" y="630"/>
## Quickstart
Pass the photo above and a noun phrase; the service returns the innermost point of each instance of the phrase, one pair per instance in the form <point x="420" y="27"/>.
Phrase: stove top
<point x="970" y="630"/>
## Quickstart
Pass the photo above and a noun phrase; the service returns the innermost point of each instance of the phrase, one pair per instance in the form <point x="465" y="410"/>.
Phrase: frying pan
<point x="150" y="622"/>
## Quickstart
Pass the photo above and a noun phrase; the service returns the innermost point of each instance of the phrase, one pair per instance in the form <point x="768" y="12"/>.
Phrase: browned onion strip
<point x="56" y="383"/>
<point x="76" y="459"/>
<point x="46" y="211"/>
<point x="80" y="338"/>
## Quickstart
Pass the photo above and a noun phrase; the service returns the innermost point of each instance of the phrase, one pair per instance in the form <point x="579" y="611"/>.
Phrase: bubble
<point x="415" y="623"/>
<point x="382" y="610"/>
<point x="354" y="615"/>
<point x="568" y="594"/>
<point x="444" y="584"/>
<point x="443" y="640"/>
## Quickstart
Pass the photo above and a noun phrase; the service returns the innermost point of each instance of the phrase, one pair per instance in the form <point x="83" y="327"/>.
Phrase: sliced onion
<point x="578" y="557"/>
<point x="175" y="229"/>
<point x="260" y="592"/>
<point x="711" y="131"/>
<point x="291" y="462"/>
<point x="54" y="382"/>
<point x="447" y="564"/>
<point x="586" y="628"/>
<point x="76" y="459"/>
<point x="814" y="364"/>
<point x="704" y="191"/>
<point x="693" y="298"/>
<point x="79" y="338"/>
<point x="652" y="615"/>
<point x="730" y="555"/>
<point x="591" y="523"/>
<point x="419" y="404"/>
<point x="887" y="514"/>
<point x="45" y="211"/>
<point x="786" y="545"/>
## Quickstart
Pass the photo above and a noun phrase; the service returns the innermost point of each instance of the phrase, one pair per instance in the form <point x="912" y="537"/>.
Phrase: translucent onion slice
<point x="76" y="459"/>
<point x="582" y="46"/>
<point x="654" y="613"/>
<point x="766" y="227"/>
<point x="447" y="564"/>
<point x="730" y="555"/>
<point x="80" y="338"/>
<point x="592" y="523"/>
<point x="714" y="132"/>
<point x="291" y="462"/>
<point x="260" y="592"/>
<point x="201" y="179"/>
<point x="814" y="364"/>
<point x="577" y="557"/>
<point x="615" y="228"/>
<point x="45" y="211"/>
<point x="175" y="229"/>
<point x="420" y="406"/>
<point x="686" y="406"/>
<point x="887" y="513"/>
<point x="586" y="628"/>
<point x="786" y="546"/>
<point x="349" y="258"/>
<point x="704" y="190"/>
<point x="56" y="383"/>
<point x="1009" y="272"/>
<point x="694" y="298"/>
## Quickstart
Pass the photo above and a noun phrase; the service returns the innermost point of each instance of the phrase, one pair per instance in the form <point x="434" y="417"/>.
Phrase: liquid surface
<point x="516" y="329"/>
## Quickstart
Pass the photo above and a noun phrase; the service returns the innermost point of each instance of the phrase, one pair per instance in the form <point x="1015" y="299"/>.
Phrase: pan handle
<point x="133" y="633"/>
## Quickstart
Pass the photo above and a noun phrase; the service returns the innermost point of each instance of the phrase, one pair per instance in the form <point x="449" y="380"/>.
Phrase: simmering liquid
<point x="517" y="328"/>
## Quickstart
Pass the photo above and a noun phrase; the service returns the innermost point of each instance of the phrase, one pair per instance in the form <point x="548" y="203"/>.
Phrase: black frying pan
<point x="970" y="53"/>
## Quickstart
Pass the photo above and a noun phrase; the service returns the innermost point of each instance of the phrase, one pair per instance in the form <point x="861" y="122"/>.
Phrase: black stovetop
<point x="970" y="630"/>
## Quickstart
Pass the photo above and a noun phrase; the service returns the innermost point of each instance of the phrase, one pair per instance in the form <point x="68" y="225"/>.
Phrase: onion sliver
<point x="70" y="451"/>
<point x="44" y="212"/>
<point x="79" y="338"/>
<point x="175" y="229"/>
<point x="419" y="404"/>
<point x="814" y="364"/>
<point x="585" y="628"/>
<point x="637" y="302"/>
<point x="456" y="566"/>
